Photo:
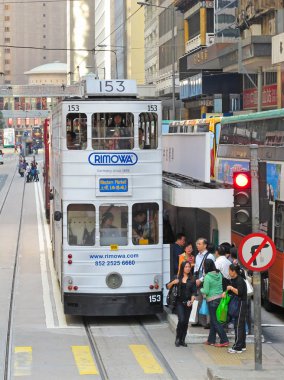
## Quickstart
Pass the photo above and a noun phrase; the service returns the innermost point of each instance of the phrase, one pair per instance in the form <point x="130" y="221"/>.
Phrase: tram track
<point x="7" y="192"/>
<point x="8" y="346"/>
<point x="101" y="364"/>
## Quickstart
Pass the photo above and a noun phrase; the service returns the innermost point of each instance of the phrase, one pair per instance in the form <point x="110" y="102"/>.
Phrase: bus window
<point x="202" y="127"/>
<point x="112" y="131"/>
<point x="113" y="224"/>
<point x="148" y="130"/>
<point x="76" y="131"/>
<point x="279" y="225"/>
<point x="81" y="223"/>
<point x="145" y="223"/>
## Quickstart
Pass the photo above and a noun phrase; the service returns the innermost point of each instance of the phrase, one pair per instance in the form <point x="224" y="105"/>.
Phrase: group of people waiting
<point x="208" y="274"/>
<point x="29" y="171"/>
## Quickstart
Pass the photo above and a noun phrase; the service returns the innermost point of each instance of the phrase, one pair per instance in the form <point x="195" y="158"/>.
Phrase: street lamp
<point x="114" y="52"/>
<point x="143" y="3"/>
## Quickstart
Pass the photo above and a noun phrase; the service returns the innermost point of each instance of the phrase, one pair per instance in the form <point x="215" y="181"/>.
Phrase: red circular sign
<point x="257" y="252"/>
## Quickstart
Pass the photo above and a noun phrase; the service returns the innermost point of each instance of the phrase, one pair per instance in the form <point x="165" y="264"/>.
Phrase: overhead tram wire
<point x="38" y="1"/>
<point x="42" y="48"/>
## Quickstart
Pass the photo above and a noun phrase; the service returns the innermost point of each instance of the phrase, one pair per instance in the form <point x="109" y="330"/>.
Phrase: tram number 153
<point x="155" y="298"/>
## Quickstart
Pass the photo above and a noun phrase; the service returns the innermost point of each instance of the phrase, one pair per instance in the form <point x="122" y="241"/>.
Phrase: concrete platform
<point x="198" y="334"/>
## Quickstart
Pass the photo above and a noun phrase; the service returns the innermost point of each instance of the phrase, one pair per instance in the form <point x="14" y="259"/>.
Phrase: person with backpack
<point x="213" y="290"/>
<point x="186" y="292"/>
<point x="238" y="289"/>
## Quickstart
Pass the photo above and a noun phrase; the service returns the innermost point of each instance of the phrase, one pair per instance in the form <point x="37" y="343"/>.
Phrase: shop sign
<point x="269" y="97"/>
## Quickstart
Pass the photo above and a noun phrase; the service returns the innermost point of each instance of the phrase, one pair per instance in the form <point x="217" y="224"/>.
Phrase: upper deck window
<point x="76" y="131"/>
<point x="268" y="132"/>
<point x="112" y="131"/>
<point x="148" y="130"/>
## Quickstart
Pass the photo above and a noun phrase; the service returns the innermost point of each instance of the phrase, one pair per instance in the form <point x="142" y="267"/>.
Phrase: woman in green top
<point x="212" y="288"/>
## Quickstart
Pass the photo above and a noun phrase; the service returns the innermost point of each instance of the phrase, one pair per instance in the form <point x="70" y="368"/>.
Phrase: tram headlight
<point x="114" y="280"/>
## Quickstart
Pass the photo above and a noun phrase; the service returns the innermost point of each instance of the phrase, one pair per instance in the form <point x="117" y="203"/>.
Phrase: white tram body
<point x="106" y="213"/>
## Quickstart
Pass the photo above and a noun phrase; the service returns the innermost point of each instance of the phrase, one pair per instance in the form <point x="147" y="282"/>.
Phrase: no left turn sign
<point x="257" y="252"/>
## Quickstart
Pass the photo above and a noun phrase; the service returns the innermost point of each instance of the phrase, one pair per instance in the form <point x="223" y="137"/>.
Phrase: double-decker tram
<point x="106" y="212"/>
<point x="266" y="130"/>
<point x="209" y="124"/>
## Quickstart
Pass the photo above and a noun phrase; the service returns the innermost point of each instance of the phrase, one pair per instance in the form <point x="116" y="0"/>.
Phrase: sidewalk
<point x="223" y="366"/>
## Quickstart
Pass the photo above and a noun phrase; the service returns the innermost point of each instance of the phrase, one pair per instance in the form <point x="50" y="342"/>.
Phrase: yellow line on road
<point x="23" y="361"/>
<point x="145" y="358"/>
<point x="84" y="360"/>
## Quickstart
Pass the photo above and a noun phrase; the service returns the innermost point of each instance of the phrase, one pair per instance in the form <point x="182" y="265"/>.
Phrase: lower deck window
<point x="81" y="220"/>
<point x="145" y="223"/>
<point x="113" y="224"/>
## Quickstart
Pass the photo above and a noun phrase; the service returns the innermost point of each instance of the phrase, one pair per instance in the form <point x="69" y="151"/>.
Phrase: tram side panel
<point x="89" y="267"/>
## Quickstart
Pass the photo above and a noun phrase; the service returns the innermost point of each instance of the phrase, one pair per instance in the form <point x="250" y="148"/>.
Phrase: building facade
<point x="80" y="38"/>
<point x="26" y="26"/>
<point x="210" y="34"/>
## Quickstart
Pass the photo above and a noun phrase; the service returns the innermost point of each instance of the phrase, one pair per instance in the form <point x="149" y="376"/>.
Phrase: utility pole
<point x="173" y="64"/>
<point x="259" y="89"/>
<point x="256" y="275"/>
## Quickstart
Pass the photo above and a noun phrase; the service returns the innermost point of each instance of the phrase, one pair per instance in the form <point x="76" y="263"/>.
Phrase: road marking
<point x="84" y="360"/>
<point x="56" y="291"/>
<point x="23" y="361"/>
<point x="49" y="319"/>
<point x="145" y="358"/>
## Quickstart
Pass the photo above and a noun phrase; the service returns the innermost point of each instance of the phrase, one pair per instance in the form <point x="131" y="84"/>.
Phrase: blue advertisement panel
<point x="111" y="185"/>
<point x="273" y="175"/>
<point x="228" y="167"/>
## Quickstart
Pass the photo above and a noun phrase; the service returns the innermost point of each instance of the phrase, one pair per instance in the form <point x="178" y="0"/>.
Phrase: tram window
<point x="145" y="223"/>
<point x="81" y="221"/>
<point x="76" y="131"/>
<point x="112" y="131"/>
<point x="113" y="224"/>
<point x="148" y="130"/>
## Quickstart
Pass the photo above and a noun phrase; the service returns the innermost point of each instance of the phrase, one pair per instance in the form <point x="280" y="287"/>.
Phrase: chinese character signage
<point x="113" y="185"/>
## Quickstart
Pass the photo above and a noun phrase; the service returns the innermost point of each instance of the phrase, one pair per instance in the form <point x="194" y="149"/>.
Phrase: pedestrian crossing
<point x="84" y="361"/>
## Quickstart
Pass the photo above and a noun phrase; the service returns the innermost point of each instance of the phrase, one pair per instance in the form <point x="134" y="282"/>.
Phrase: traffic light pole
<point x="256" y="275"/>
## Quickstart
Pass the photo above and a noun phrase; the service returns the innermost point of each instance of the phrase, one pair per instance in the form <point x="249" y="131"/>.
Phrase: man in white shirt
<point x="222" y="263"/>
<point x="201" y="245"/>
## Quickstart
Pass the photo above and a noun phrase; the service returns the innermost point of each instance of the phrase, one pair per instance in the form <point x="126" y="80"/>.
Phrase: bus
<point x="105" y="176"/>
<point x="266" y="130"/>
<point x="9" y="138"/>
<point x="211" y="124"/>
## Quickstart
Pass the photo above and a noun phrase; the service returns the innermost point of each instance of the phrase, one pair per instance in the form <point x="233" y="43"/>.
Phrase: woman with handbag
<point x="238" y="288"/>
<point x="213" y="290"/>
<point x="185" y="296"/>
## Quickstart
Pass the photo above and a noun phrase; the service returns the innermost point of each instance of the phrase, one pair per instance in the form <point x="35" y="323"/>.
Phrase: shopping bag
<point x="204" y="308"/>
<point x="234" y="306"/>
<point x="222" y="309"/>
<point x="172" y="296"/>
<point x="249" y="287"/>
<point x="194" y="314"/>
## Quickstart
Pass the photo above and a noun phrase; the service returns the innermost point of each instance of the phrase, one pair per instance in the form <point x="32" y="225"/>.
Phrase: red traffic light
<point x="241" y="180"/>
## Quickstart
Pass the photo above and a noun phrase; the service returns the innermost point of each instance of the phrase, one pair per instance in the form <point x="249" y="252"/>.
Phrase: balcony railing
<point x="195" y="43"/>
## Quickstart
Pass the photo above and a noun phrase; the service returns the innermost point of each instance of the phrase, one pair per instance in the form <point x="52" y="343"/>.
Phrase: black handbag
<point x="172" y="296"/>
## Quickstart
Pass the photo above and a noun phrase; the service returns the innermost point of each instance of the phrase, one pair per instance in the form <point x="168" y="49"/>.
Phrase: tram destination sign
<point x="113" y="185"/>
<point x="116" y="87"/>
